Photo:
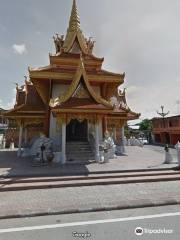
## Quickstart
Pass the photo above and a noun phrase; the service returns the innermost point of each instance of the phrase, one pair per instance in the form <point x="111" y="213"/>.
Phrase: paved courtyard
<point x="87" y="198"/>
<point x="148" y="157"/>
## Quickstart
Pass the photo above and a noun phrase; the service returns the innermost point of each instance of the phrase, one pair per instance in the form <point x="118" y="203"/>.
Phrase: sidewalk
<point x="87" y="199"/>
<point x="135" y="158"/>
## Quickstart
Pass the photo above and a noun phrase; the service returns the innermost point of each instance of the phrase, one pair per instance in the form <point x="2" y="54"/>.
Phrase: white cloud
<point x="19" y="48"/>
<point x="10" y="105"/>
<point x="134" y="91"/>
<point x="12" y="101"/>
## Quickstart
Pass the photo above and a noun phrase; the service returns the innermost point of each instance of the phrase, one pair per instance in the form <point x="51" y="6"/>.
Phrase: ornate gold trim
<point x="24" y="117"/>
<point x="115" y="122"/>
<point x="42" y="89"/>
<point x="80" y="72"/>
<point x="24" y="122"/>
<point x="80" y="117"/>
<point x="66" y="61"/>
<point x="31" y="112"/>
<point x="82" y="110"/>
<point x="69" y="77"/>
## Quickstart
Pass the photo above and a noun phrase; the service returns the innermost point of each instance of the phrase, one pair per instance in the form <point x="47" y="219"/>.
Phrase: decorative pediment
<point x="81" y="92"/>
<point x="80" y="86"/>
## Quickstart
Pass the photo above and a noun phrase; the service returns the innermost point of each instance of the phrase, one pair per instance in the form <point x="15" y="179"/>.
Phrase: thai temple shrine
<point x="72" y="99"/>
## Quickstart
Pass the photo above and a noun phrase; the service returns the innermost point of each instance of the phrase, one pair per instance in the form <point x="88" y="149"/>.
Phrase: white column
<point x="97" y="157"/>
<point x="20" y="140"/>
<point x="25" y="135"/>
<point x="114" y="134"/>
<point x="63" y="160"/>
<point x="120" y="147"/>
<point x="123" y="140"/>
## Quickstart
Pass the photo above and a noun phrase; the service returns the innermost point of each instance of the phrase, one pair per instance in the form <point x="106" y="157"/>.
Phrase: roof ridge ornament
<point x="58" y="41"/>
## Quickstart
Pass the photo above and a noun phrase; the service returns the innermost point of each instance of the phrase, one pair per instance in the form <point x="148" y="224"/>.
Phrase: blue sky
<point x="141" y="38"/>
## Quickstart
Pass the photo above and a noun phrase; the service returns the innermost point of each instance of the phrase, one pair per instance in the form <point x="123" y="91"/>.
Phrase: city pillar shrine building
<point x="73" y="99"/>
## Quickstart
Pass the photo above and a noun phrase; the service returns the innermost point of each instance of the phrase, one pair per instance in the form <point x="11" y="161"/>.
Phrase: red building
<point x="167" y="130"/>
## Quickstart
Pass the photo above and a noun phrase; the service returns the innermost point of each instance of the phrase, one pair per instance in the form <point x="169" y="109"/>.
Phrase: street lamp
<point x="163" y="115"/>
<point x="167" y="155"/>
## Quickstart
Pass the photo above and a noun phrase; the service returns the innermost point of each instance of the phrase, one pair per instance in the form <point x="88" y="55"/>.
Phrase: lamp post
<point x="163" y="115"/>
<point x="168" y="157"/>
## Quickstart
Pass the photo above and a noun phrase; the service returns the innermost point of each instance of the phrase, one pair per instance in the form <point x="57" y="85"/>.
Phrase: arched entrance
<point x="76" y="130"/>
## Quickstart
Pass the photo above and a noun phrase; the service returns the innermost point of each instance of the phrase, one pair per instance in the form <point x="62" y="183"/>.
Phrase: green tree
<point x="145" y="125"/>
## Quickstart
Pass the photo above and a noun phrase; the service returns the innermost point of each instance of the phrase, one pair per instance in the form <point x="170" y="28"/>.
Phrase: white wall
<point x="55" y="132"/>
<point x="91" y="130"/>
<point x="59" y="89"/>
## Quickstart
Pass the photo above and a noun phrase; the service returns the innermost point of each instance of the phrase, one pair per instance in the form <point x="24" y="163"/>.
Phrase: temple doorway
<point x="77" y="131"/>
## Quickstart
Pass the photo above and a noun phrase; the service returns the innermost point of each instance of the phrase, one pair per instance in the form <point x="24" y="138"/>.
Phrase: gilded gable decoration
<point x="81" y="92"/>
<point x="77" y="78"/>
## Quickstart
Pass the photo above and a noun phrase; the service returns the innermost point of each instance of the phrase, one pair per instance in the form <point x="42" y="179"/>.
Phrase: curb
<point x="71" y="173"/>
<point x="90" y="210"/>
<point x="67" y="184"/>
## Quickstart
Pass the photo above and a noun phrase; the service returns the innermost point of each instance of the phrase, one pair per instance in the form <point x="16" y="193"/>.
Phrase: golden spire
<point x="74" y="22"/>
<point x="74" y="32"/>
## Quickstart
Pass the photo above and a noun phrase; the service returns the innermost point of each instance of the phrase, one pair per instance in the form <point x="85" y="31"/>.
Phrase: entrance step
<point x="79" y="151"/>
<point x="88" y="180"/>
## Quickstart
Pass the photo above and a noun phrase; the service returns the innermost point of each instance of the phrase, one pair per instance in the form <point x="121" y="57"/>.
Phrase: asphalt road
<point x="115" y="225"/>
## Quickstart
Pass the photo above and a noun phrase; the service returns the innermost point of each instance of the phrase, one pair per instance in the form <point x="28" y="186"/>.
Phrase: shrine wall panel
<point x="59" y="89"/>
<point x="55" y="131"/>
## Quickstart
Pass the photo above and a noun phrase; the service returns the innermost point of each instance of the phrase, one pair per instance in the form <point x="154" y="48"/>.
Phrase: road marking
<point x="62" y="225"/>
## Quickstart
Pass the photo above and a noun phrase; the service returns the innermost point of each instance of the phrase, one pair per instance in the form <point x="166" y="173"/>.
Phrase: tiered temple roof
<point x="75" y="65"/>
<point x="28" y="103"/>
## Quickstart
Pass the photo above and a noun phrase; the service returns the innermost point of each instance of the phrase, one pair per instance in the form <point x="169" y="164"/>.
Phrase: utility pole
<point x="163" y="115"/>
<point x="168" y="158"/>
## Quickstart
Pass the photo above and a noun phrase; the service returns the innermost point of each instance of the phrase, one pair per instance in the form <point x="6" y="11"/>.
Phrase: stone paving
<point x="81" y="199"/>
<point x="87" y="198"/>
<point x="148" y="157"/>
